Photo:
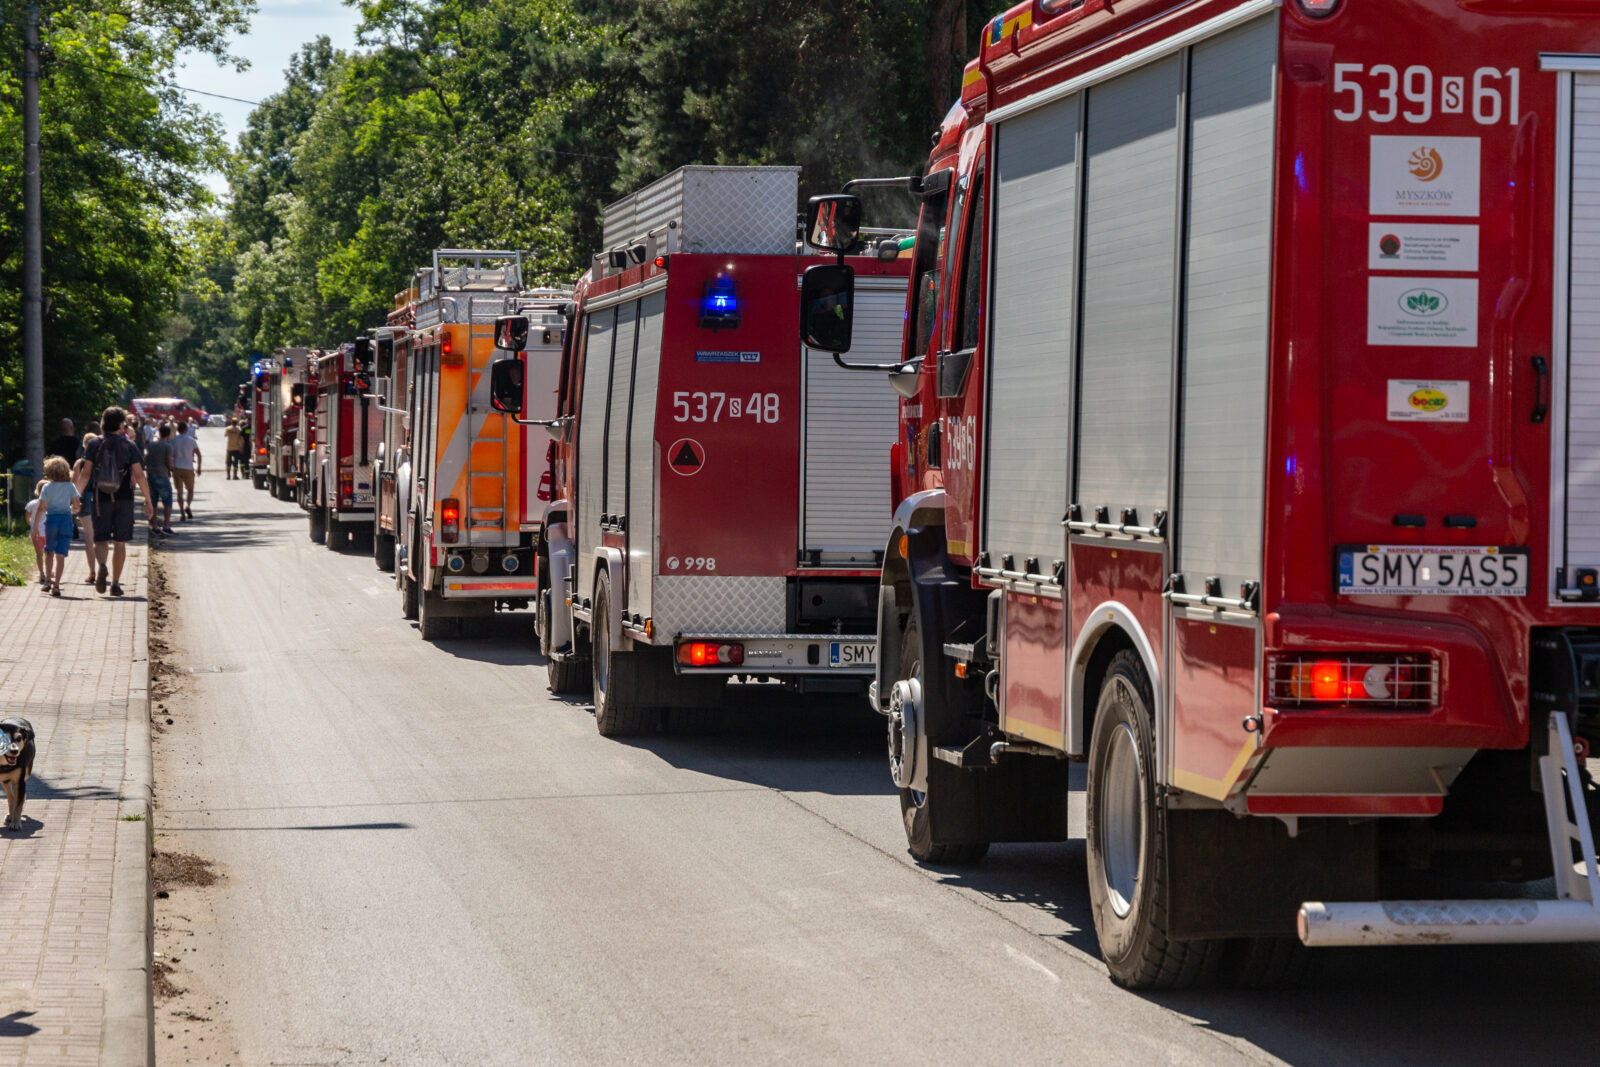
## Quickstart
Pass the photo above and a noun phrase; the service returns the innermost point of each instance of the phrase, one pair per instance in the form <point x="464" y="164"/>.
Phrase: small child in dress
<point x="59" y="501"/>
<point x="35" y="514"/>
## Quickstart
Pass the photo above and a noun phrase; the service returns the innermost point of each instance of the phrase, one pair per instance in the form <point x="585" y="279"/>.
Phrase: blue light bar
<point x="719" y="304"/>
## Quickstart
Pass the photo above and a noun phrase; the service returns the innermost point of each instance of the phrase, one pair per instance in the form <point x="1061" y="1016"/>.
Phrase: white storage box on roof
<point x="718" y="210"/>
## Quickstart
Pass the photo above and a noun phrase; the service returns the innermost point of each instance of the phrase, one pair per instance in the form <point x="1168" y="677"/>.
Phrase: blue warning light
<point x="719" y="304"/>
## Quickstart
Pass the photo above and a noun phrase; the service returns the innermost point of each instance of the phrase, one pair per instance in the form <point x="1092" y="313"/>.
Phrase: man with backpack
<point x="113" y="467"/>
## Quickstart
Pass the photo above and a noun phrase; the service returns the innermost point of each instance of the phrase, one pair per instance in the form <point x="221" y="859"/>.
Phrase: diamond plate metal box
<point x="707" y="604"/>
<point x="719" y="210"/>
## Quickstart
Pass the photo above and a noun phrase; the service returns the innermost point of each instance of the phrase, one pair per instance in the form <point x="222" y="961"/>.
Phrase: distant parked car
<point x="216" y="420"/>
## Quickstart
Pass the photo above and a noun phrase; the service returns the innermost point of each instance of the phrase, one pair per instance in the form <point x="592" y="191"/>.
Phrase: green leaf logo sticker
<point x="1423" y="303"/>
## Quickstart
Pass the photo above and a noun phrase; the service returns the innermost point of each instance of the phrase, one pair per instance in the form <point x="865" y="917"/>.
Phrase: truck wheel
<point x="618" y="710"/>
<point x="337" y="531"/>
<point x="255" y="480"/>
<point x="1128" y="874"/>
<point x="383" y="550"/>
<point x="915" y="807"/>
<point x="319" y="526"/>
<point x="432" y="625"/>
<point x="408" y="597"/>
<point x="272" y="487"/>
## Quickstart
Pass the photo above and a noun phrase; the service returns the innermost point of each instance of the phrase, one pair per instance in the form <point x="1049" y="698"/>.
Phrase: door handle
<point x="1541" y="408"/>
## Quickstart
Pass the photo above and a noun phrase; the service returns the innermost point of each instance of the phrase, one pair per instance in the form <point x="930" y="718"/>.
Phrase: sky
<point x="277" y="30"/>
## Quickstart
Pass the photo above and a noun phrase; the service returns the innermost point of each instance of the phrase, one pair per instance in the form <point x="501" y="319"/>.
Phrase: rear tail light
<point x="710" y="654"/>
<point x="1401" y="681"/>
<point x="449" y="521"/>
<point x="261" y="451"/>
<point x="347" y="488"/>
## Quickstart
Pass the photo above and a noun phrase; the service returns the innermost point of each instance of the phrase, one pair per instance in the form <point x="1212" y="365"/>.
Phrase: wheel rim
<point x="1121" y="830"/>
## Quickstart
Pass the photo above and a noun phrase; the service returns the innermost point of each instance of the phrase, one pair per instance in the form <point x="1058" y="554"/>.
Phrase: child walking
<point x="59" y="499"/>
<point x="34" y="510"/>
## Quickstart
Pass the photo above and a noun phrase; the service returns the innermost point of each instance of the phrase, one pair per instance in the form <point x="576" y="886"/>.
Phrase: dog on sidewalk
<point x="16" y="764"/>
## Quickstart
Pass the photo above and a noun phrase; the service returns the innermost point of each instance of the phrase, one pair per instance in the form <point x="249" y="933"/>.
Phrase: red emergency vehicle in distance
<point x="262" y="375"/>
<point x="340" y="433"/>
<point x="167" y="408"/>
<point x="1252" y="462"/>
<point x="713" y="516"/>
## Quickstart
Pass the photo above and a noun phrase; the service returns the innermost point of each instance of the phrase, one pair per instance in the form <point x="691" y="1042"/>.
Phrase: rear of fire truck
<point x="285" y="406"/>
<point x="465" y="548"/>
<point x="1252" y="464"/>
<point x="259" y="403"/>
<point x="339" y="491"/>
<point x="716" y="508"/>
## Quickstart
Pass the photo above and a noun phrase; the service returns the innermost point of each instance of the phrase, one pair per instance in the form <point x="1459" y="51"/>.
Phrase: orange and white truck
<point x="467" y="507"/>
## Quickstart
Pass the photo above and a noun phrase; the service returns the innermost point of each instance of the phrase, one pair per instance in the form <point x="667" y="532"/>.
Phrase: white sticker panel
<point x="1418" y="246"/>
<point x="1422" y="312"/>
<point x="1412" y="400"/>
<point x="1424" y="176"/>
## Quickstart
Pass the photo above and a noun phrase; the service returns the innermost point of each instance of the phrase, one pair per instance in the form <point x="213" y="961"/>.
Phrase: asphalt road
<point x="428" y="858"/>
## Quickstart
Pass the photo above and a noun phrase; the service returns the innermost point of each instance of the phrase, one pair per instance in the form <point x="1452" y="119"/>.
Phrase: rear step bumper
<point x="1574" y="916"/>
<point x="1448" y="922"/>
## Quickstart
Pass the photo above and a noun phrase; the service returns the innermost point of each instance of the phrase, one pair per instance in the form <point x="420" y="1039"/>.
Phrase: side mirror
<point x="833" y="223"/>
<point x="297" y="394"/>
<point x="506" y="378"/>
<point x="511" y="332"/>
<point x="363" y="352"/>
<point x="827" y="304"/>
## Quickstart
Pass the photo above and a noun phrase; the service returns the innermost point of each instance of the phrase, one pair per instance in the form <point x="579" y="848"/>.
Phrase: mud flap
<point x="1022" y="798"/>
<point x="1246" y="877"/>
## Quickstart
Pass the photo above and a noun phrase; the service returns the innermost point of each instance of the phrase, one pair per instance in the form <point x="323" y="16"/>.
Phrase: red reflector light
<point x="449" y="520"/>
<point x="1368" y="681"/>
<point x="661" y="262"/>
<point x="261" y="451"/>
<point x="710" y="654"/>
<point x="445" y="345"/>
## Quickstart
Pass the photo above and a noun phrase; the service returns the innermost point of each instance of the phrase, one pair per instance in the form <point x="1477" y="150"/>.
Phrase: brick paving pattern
<point x="67" y="666"/>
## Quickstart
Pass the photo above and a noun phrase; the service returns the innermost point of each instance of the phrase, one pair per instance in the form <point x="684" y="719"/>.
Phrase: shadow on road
<point x="782" y="740"/>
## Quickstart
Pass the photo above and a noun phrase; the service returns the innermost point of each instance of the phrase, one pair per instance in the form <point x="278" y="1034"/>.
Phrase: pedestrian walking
<point x="236" y="456"/>
<point x="59" y="499"/>
<point x="66" y="444"/>
<point x="158" y="469"/>
<point x="186" y="461"/>
<point x="114" y="469"/>
<point x="33" y="510"/>
<point x="81" y="473"/>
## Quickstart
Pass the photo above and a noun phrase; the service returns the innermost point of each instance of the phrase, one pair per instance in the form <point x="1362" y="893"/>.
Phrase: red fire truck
<point x="391" y="350"/>
<point x="464" y="487"/>
<point x="285" y="400"/>
<point x="263" y="373"/>
<point x="159" y="409"/>
<point x="712" y="516"/>
<point x="342" y="431"/>
<point x="1252" y="461"/>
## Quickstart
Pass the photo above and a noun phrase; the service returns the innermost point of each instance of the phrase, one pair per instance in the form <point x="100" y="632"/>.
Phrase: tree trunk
<point x="946" y="52"/>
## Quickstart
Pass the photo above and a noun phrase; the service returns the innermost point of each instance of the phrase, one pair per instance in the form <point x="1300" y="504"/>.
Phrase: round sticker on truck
<point x="686" y="456"/>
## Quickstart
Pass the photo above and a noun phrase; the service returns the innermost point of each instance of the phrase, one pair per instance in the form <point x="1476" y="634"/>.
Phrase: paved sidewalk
<point x="74" y="883"/>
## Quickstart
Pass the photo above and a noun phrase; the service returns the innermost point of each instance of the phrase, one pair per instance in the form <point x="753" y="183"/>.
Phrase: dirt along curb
<point x="129" y="1036"/>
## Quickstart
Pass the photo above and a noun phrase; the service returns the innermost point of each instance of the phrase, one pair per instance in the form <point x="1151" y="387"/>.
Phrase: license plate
<point x="849" y="654"/>
<point x="1413" y="570"/>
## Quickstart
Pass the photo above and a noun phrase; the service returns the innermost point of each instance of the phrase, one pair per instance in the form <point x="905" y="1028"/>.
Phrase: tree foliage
<point x="121" y="157"/>
<point x="511" y="123"/>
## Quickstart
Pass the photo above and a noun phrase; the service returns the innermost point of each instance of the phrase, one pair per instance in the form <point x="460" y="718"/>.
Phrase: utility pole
<point x="32" y="251"/>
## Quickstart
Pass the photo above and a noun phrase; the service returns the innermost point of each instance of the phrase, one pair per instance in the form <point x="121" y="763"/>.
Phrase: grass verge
<point x="17" y="566"/>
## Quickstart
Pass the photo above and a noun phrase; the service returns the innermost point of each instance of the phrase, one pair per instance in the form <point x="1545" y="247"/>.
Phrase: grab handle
<point x="1541" y="367"/>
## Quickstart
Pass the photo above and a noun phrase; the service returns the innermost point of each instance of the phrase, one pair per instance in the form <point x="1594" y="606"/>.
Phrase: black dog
<point x="16" y="764"/>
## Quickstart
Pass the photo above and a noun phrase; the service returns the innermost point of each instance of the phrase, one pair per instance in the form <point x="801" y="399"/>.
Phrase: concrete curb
<point x="129" y="1038"/>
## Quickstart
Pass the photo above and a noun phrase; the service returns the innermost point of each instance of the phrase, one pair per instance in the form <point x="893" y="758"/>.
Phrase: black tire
<point x="408" y="598"/>
<point x="319" y="526"/>
<point x="337" y="532"/>
<point x="1267" y="962"/>
<point x="915" y="808"/>
<point x="383" y="550"/>
<point x="1128" y="871"/>
<point x="618" y="707"/>
<point x="255" y="480"/>
<point x="432" y="625"/>
<point x="272" y="487"/>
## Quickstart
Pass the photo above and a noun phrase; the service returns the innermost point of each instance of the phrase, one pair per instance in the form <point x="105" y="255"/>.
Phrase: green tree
<point x="120" y="159"/>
